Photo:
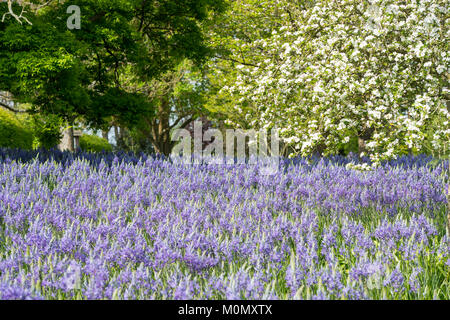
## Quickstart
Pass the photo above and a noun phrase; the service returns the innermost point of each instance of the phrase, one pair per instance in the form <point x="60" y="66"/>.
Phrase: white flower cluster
<point x="377" y="69"/>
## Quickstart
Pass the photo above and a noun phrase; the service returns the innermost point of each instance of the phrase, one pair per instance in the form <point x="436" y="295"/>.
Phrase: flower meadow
<point x="124" y="226"/>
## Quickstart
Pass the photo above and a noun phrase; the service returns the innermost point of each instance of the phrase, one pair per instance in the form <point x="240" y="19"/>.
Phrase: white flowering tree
<point x="377" y="70"/>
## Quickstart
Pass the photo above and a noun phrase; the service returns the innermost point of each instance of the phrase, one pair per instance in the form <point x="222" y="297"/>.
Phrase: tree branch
<point x="14" y="15"/>
<point x="237" y="61"/>
<point x="23" y="4"/>
<point x="6" y="106"/>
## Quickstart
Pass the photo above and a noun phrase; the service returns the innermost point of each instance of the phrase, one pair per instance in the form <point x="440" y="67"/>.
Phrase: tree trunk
<point x="362" y="146"/>
<point x="117" y="136"/>
<point x="67" y="142"/>
<point x="160" y="129"/>
<point x="71" y="140"/>
<point x="163" y="126"/>
<point x="363" y="137"/>
<point x="319" y="149"/>
<point x="105" y="134"/>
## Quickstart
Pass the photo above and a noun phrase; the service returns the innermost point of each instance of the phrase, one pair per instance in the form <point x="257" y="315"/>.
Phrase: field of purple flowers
<point x="114" y="226"/>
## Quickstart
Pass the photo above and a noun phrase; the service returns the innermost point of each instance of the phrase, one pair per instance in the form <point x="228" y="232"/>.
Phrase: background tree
<point x="377" y="70"/>
<point x="76" y="74"/>
<point x="178" y="97"/>
<point x="234" y="39"/>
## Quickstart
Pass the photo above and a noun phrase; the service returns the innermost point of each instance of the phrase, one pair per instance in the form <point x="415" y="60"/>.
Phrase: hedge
<point x="93" y="143"/>
<point x="14" y="131"/>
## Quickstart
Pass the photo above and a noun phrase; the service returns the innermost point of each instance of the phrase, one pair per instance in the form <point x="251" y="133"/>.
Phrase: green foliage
<point x="76" y="73"/>
<point x="93" y="143"/>
<point x="233" y="38"/>
<point x="46" y="130"/>
<point x="41" y="66"/>
<point x="350" y="146"/>
<point x="176" y="98"/>
<point x="123" y="105"/>
<point x="441" y="147"/>
<point x="13" y="132"/>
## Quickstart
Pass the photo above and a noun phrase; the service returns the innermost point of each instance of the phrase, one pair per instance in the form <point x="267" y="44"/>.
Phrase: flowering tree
<point x="375" y="69"/>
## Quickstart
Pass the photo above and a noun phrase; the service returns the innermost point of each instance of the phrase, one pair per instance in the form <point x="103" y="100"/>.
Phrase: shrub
<point x="46" y="130"/>
<point x="94" y="143"/>
<point x="13" y="131"/>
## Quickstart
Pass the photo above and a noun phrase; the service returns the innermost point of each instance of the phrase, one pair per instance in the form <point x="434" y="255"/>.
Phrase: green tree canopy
<point x="76" y="73"/>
